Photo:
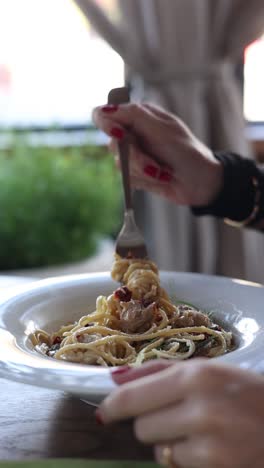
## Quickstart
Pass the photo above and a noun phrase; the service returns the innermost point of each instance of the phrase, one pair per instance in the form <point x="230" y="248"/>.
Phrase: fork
<point x="130" y="242"/>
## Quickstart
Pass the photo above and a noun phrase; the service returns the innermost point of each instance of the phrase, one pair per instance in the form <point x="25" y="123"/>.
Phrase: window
<point x="254" y="82"/>
<point x="54" y="68"/>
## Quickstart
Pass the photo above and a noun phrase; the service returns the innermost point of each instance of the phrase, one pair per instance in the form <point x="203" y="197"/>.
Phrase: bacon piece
<point x="57" y="340"/>
<point x="123" y="294"/>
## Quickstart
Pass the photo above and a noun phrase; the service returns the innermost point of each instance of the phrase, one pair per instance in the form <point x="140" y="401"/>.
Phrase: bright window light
<point x="254" y="82"/>
<point x="54" y="68"/>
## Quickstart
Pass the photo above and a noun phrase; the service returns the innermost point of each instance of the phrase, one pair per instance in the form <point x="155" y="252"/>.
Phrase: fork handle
<point x="121" y="96"/>
<point x="123" y="149"/>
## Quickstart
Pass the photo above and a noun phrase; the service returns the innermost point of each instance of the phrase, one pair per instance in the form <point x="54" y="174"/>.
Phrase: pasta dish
<point x="136" y="323"/>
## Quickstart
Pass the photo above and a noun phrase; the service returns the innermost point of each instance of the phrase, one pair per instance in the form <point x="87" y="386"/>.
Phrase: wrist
<point x="211" y="184"/>
<point x="215" y="182"/>
<point x="236" y="198"/>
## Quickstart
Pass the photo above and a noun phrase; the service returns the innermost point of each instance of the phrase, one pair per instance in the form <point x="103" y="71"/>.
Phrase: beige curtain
<point x="181" y="54"/>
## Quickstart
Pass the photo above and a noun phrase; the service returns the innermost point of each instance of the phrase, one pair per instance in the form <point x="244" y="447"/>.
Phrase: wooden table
<point x="38" y="423"/>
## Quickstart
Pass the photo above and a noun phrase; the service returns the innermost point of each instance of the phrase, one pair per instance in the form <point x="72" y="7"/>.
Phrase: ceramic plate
<point x="47" y="304"/>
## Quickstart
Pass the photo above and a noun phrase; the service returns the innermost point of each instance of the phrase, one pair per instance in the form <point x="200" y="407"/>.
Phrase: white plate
<point x="238" y="305"/>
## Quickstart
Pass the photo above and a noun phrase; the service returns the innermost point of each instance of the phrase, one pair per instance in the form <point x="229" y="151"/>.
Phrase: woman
<point x="197" y="414"/>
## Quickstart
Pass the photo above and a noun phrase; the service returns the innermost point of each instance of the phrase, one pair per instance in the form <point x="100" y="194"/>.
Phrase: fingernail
<point x="98" y="417"/>
<point x="109" y="108"/>
<point x="165" y="176"/>
<point x="120" y="370"/>
<point x="117" y="133"/>
<point x="151" y="171"/>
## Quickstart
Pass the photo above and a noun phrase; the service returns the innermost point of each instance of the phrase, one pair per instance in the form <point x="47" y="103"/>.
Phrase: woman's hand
<point x="211" y="415"/>
<point x="166" y="158"/>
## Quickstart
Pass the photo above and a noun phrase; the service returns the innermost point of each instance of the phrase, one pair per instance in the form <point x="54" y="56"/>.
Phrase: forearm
<point x="242" y="196"/>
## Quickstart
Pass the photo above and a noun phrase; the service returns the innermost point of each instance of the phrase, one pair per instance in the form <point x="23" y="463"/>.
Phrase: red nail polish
<point x="165" y="176"/>
<point x="98" y="418"/>
<point x="120" y="370"/>
<point x="151" y="171"/>
<point x="109" y="108"/>
<point x="117" y="133"/>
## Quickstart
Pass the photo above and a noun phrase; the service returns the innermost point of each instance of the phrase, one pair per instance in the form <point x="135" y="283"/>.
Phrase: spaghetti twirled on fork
<point x="136" y="323"/>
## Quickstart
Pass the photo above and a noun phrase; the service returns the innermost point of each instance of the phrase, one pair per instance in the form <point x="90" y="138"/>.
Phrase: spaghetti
<point x="136" y="323"/>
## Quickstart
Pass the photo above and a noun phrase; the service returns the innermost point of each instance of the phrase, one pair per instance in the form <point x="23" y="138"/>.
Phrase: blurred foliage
<point x="55" y="203"/>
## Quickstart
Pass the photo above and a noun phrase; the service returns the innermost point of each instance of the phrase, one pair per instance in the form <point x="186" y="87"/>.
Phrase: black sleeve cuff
<point x="237" y="197"/>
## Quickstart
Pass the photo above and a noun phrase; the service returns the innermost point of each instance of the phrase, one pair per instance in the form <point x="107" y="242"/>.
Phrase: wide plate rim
<point x="74" y="378"/>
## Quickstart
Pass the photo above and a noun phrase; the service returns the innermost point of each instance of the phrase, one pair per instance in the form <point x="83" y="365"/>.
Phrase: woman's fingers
<point x="174" y="154"/>
<point x="210" y="415"/>
<point x="134" y="117"/>
<point x="171" y="423"/>
<point x="193" y="452"/>
<point x="138" y="160"/>
<point x="143" y="166"/>
<point x="112" y="129"/>
<point x="112" y="146"/>
<point x="164" y="190"/>
<point x="194" y="416"/>
<point x="143" y="395"/>
<point x="147" y="175"/>
<point x="144" y="120"/>
<point x="175" y="453"/>
<point x="159" y="112"/>
<point x="127" y="374"/>
<point x="177" y="382"/>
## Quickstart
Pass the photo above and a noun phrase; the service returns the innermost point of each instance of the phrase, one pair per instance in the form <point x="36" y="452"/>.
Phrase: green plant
<point x="55" y="204"/>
